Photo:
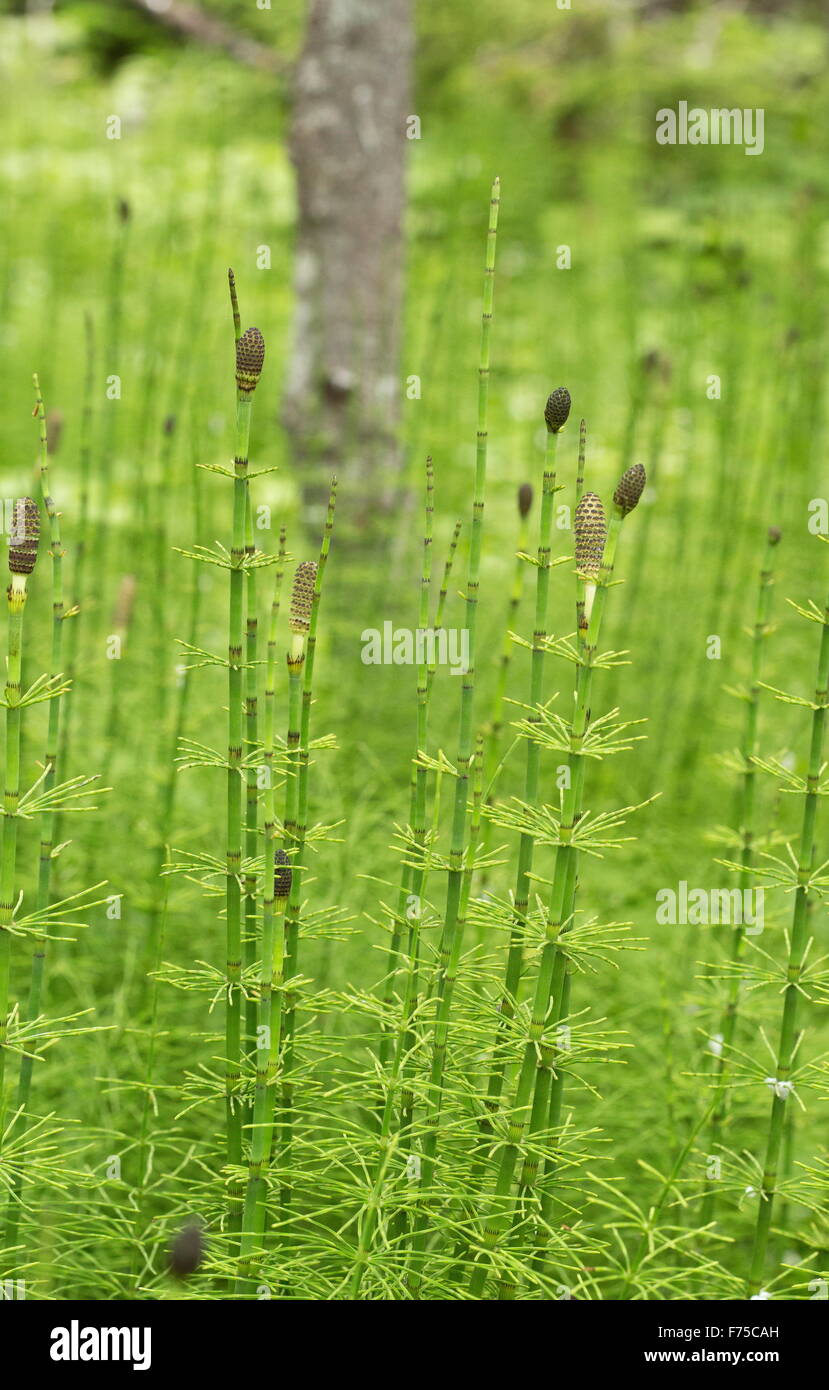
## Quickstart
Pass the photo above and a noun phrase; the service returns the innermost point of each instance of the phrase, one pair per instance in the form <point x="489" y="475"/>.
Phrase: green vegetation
<point x="393" y="983"/>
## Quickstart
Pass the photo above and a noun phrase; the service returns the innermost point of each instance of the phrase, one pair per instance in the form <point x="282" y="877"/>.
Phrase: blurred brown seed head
<point x="775" y="535"/>
<point x="590" y="525"/>
<point x="557" y="409"/>
<point x="525" y="499"/>
<point x="24" y="537"/>
<point x="54" y="430"/>
<point x="123" y="607"/>
<point x="630" y="488"/>
<point x="170" y="425"/>
<point x="187" y="1250"/>
<point x="302" y="596"/>
<point x="656" y="364"/>
<point x="250" y="355"/>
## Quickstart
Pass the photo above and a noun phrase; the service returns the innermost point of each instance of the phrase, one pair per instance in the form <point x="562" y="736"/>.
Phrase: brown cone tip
<point x="24" y="537"/>
<point x="775" y="535"/>
<point x="250" y="355"/>
<point x="557" y="409"/>
<point x="302" y="595"/>
<point x="186" y="1251"/>
<point x="525" y="499"/>
<point x="283" y="875"/>
<point x="590" y="527"/>
<point x="629" y="488"/>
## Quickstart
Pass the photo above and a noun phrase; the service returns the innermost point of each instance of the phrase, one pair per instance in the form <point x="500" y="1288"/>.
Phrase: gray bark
<point x="348" y="143"/>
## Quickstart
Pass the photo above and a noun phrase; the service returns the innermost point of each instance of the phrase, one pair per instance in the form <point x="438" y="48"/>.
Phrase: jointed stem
<point x="78" y="582"/>
<point x="47" y="822"/>
<point x="411" y="888"/>
<point x="526" y="844"/>
<point x="798" y="944"/>
<point x="11" y="798"/>
<point x="559" y="915"/>
<point x="269" y="1008"/>
<point x="492" y="760"/>
<point x="400" y="921"/>
<point x="453" y="924"/>
<point x="251" y="788"/>
<point x="745" y="824"/>
<point x="233" y="967"/>
<point x="301" y="677"/>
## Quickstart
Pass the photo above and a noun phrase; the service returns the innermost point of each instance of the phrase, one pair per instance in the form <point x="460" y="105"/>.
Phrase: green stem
<point x="492" y="762"/>
<point x="301" y="681"/>
<point x="454" y="923"/>
<point x="400" y="921"/>
<point x="499" y="1212"/>
<point x="269" y="1004"/>
<point x="11" y="798"/>
<point x="251" y="788"/>
<point x="410" y="904"/>
<point x="526" y="846"/>
<point x="47" y="821"/>
<point x="233" y="967"/>
<point x="798" y="943"/>
<point x="745" y="823"/>
<point x="78" y="583"/>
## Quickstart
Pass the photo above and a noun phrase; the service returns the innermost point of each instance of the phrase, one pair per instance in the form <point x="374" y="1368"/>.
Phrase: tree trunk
<point x="343" y="393"/>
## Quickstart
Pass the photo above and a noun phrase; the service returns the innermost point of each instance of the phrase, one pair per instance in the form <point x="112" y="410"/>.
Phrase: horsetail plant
<point x="23" y="548"/>
<point x="406" y="890"/>
<point x="251" y="786"/>
<point x="77" y="586"/>
<point x="112" y="415"/>
<point x="451" y="921"/>
<point x="411" y="885"/>
<point x="800" y="875"/>
<point x="417" y="806"/>
<point x="443" y="592"/>
<point x="277" y="878"/>
<point x="496" y="726"/>
<point x="581" y="462"/>
<point x="595" y="544"/>
<point x="299" y="622"/>
<point x="389" y="1142"/>
<point x="549" y="1086"/>
<point x="305" y="605"/>
<point x="158" y="908"/>
<point x="250" y="356"/>
<point x="465" y="736"/>
<point x="47" y="821"/>
<point x="556" y="413"/>
<point x="409" y="905"/>
<point x="746" y="816"/>
<point x="167" y="798"/>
